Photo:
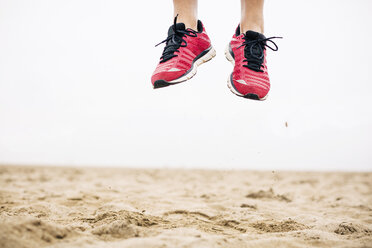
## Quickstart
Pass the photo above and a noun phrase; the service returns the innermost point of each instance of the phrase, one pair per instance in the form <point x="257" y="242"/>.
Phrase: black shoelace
<point x="254" y="52"/>
<point x="174" y="41"/>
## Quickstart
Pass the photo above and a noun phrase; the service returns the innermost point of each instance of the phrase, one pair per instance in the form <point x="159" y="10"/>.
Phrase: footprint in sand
<point x="269" y="194"/>
<point x="349" y="228"/>
<point x="117" y="229"/>
<point x="282" y="226"/>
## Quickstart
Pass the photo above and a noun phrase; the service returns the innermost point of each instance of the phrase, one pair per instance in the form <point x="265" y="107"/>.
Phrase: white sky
<point x="75" y="88"/>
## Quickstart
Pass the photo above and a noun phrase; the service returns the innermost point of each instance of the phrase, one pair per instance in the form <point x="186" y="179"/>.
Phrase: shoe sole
<point x="205" y="56"/>
<point x="229" y="57"/>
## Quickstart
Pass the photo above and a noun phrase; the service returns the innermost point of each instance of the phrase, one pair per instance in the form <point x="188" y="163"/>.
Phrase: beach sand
<point x="107" y="207"/>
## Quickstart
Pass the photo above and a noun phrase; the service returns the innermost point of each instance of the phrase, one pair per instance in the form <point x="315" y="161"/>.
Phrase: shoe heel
<point x="208" y="56"/>
<point x="228" y="55"/>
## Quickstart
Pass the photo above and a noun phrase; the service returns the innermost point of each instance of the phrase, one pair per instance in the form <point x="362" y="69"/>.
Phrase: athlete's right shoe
<point x="184" y="51"/>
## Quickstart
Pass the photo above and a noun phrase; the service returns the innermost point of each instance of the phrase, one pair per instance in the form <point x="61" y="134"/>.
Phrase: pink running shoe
<point x="247" y="52"/>
<point x="184" y="51"/>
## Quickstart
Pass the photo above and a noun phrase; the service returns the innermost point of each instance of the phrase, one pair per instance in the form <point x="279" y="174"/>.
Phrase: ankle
<point x="257" y="27"/>
<point x="193" y="25"/>
<point x="190" y="22"/>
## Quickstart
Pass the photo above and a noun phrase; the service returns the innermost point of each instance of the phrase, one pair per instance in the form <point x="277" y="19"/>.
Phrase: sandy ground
<point x="85" y="207"/>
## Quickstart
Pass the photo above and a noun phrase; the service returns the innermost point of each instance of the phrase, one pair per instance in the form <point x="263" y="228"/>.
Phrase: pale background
<point x="75" y="88"/>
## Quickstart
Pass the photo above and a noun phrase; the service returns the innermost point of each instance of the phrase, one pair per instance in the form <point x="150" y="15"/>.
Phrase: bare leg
<point x="252" y="16"/>
<point x="187" y="11"/>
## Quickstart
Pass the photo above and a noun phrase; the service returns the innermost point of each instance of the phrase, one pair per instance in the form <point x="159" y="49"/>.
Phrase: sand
<point x="98" y="207"/>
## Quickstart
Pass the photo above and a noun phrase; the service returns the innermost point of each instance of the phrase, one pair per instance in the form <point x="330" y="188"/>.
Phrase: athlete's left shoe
<point x="247" y="52"/>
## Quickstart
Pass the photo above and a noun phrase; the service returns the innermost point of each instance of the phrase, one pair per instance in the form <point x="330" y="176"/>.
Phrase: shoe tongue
<point x="252" y="35"/>
<point x="179" y="26"/>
